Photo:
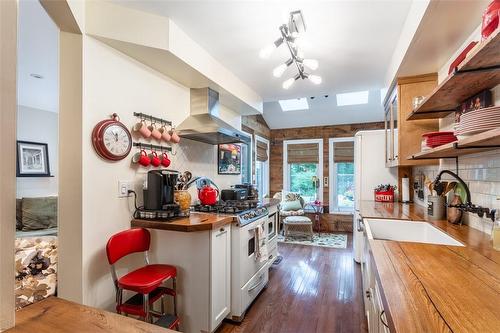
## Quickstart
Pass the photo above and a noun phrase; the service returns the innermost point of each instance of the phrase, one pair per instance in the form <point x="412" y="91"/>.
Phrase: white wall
<point x="114" y="82"/>
<point x="38" y="126"/>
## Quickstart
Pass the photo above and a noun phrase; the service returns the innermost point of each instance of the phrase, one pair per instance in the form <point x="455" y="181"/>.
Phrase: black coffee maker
<point x="159" y="189"/>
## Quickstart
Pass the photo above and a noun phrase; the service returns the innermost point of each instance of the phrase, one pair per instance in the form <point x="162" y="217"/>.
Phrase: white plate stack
<point x="477" y="121"/>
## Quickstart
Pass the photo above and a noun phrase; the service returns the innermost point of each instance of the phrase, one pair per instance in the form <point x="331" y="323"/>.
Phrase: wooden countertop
<point x="55" y="315"/>
<point x="436" y="288"/>
<point x="195" y="222"/>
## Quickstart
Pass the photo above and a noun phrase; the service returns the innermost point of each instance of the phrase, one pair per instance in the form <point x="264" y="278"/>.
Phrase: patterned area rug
<point x="338" y="241"/>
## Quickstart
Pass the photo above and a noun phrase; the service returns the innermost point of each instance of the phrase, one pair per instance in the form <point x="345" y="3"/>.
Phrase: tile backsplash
<point x="481" y="172"/>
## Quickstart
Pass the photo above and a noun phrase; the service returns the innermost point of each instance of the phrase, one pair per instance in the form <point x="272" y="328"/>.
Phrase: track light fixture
<point x="291" y="36"/>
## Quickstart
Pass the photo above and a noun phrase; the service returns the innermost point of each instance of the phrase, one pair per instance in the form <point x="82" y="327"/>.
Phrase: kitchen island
<point x="432" y="288"/>
<point x="195" y="222"/>
<point x="217" y="274"/>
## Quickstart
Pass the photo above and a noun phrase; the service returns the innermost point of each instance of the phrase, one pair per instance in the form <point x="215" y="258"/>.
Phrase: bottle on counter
<point x="495" y="235"/>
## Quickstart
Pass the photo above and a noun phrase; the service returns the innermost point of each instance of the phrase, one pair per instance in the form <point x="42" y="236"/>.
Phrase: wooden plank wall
<point x="255" y="125"/>
<point x="324" y="132"/>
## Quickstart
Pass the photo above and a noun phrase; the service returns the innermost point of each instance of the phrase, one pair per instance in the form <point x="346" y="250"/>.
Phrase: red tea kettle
<point x="206" y="193"/>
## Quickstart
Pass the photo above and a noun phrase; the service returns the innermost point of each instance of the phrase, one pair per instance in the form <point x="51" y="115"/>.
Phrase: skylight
<point x="294" y="104"/>
<point x="352" y="98"/>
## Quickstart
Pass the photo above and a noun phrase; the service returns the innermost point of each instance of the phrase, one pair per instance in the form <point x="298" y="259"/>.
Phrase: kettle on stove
<point x="206" y="193"/>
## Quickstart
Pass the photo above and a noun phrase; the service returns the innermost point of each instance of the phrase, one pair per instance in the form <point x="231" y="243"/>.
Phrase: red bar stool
<point x="146" y="281"/>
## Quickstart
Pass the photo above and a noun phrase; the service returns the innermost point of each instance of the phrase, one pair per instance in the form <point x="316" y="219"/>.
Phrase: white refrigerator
<point x="370" y="171"/>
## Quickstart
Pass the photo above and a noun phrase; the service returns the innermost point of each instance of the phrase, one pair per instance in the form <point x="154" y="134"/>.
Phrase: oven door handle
<point x="257" y="285"/>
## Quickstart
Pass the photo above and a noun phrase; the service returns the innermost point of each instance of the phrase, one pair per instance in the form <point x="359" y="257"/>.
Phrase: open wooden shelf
<point x="477" y="143"/>
<point x="479" y="71"/>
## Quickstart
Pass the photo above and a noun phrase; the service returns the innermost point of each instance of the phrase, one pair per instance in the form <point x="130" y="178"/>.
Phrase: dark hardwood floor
<point x="313" y="289"/>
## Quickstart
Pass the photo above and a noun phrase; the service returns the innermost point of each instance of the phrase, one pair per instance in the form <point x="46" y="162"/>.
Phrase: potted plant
<point x="385" y="193"/>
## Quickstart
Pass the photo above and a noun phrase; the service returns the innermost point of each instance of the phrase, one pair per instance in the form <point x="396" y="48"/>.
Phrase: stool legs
<point x="119" y="297"/>
<point x="174" y="287"/>
<point x="146" y="308"/>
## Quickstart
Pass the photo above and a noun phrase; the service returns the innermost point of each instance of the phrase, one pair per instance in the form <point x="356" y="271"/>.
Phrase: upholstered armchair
<point x="289" y="211"/>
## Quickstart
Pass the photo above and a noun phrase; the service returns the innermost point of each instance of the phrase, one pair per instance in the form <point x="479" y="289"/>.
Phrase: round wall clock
<point x="111" y="139"/>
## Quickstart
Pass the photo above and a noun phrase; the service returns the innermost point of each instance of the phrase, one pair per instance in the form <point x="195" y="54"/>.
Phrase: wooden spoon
<point x="449" y="187"/>
<point x="429" y="184"/>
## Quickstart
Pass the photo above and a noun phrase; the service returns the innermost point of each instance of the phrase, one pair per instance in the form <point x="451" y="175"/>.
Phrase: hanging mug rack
<point x="152" y="147"/>
<point x="151" y="118"/>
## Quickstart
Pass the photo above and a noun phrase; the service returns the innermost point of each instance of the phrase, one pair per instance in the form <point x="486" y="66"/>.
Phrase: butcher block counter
<point x="55" y="315"/>
<point x="436" y="288"/>
<point x="195" y="222"/>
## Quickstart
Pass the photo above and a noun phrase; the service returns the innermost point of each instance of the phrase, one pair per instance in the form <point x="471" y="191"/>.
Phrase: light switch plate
<point x="123" y="187"/>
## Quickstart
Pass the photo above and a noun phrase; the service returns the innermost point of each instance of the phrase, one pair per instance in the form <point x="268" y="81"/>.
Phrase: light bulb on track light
<point x="267" y="51"/>
<point x="288" y="83"/>
<point x="315" y="79"/>
<point x="278" y="71"/>
<point x="311" y="64"/>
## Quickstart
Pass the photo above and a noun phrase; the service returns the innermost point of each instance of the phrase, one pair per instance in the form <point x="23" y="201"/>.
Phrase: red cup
<point x="142" y="158"/>
<point x="155" y="160"/>
<point x="164" y="160"/>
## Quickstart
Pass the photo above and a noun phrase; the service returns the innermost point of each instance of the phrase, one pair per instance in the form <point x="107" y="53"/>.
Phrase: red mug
<point x="142" y="158"/>
<point x="155" y="160"/>
<point x="164" y="160"/>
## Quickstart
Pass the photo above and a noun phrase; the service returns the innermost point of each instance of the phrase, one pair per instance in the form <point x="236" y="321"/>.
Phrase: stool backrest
<point x="127" y="242"/>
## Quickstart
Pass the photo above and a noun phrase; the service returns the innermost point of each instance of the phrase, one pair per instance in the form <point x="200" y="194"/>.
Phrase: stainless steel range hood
<point x="204" y="124"/>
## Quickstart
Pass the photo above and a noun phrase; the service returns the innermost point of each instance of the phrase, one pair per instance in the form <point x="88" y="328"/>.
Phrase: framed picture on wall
<point x="229" y="159"/>
<point x="32" y="159"/>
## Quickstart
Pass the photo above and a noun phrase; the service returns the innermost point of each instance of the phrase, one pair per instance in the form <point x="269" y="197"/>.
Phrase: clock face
<point x="116" y="140"/>
<point x="111" y="139"/>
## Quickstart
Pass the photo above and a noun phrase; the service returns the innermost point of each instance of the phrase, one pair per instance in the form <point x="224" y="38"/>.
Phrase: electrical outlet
<point x="123" y="187"/>
<point x="325" y="181"/>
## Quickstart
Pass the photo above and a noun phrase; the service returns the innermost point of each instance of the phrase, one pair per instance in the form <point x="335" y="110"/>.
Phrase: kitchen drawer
<point x="250" y="290"/>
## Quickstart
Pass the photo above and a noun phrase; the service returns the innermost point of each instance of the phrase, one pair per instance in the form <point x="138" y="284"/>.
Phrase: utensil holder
<point x="436" y="207"/>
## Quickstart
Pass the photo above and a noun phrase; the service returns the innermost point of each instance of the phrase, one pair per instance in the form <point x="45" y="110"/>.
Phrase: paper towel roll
<point x="405" y="191"/>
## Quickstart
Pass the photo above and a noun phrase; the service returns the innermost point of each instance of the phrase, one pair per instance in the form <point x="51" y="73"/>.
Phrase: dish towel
<point x="261" y="253"/>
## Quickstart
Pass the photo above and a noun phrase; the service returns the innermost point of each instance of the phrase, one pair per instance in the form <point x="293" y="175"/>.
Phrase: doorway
<point x="36" y="239"/>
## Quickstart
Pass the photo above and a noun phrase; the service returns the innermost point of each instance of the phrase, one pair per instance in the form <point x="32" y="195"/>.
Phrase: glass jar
<point x="183" y="199"/>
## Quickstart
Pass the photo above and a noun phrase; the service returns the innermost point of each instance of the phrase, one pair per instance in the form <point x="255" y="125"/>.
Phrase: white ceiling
<point x="38" y="50"/>
<point x="353" y="41"/>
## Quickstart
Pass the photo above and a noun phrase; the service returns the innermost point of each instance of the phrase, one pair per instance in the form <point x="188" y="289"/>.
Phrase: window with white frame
<point x="342" y="175"/>
<point x="246" y="162"/>
<point x="262" y="166"/>
<point x="303" y="168"/>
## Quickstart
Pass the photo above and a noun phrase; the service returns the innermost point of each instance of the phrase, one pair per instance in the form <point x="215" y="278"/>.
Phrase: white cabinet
<point x="220" y="275"/>
<point x="374" y="308"/>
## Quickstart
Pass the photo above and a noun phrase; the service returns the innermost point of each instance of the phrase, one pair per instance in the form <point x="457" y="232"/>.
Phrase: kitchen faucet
<point x="468" y="206"/>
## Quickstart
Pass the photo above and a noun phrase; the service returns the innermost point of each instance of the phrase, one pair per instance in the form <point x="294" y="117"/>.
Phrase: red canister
<point x="490" y="19"/>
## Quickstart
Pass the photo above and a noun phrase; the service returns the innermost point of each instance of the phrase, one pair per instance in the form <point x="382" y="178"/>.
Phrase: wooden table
<point x="55" y="315"/>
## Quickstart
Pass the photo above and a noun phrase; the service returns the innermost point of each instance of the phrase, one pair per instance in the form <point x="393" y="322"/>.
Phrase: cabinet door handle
<point x="360" y="225"/>
<point x="382" y="319"/>
<point x="255" y="286"/>
<point x="222" y="231"/>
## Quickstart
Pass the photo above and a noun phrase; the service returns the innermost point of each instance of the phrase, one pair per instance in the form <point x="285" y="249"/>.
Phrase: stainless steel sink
<point x="407" y="231"/>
